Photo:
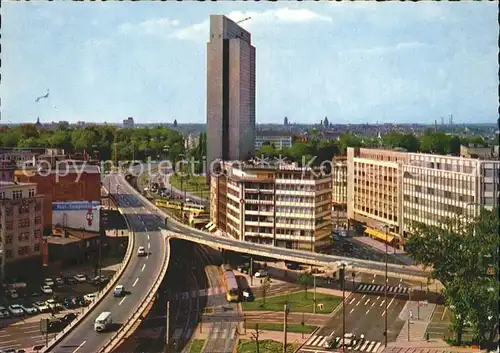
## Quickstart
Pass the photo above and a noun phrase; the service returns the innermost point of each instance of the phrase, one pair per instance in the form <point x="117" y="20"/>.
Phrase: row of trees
<point x="429" y="142"/>
<point x="464" y="258"/>
<point x="137" y="143"/>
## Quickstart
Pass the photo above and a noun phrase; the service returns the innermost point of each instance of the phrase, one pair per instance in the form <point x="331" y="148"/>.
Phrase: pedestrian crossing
<point x="208" y="292"/>
<point x="360" y="346"/>
<point x="378" y="288"/>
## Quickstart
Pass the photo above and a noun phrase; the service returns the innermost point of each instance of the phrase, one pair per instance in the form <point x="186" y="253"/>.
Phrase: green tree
<point x="349" y="140"/>
<point x="462" y="256"/>
<point x="305" y="280"/>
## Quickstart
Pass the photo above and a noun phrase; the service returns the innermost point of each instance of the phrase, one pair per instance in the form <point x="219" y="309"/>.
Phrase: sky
<point x="352" y="62"/>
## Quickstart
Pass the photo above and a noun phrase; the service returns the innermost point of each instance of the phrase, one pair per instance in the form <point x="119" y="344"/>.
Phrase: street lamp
<point x="386" y="227"/>
<point x="343" y="264"/>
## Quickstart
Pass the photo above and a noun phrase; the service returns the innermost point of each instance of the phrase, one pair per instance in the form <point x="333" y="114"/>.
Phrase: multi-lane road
<point x="138" y="277"/>
<point x="365" y="314"/>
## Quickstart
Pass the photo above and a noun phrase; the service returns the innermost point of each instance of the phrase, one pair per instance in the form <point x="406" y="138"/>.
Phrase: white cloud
<point x="149" y="27"/>
<point x="379" y="50"/>
<point x="200" y="31"/>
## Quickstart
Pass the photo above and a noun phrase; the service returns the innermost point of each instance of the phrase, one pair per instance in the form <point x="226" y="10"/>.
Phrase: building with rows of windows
<point x="280" y="205"/>
<point x="21" y="226"/>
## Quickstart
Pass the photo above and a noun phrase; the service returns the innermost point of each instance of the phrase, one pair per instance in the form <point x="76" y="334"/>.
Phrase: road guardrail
<point x="117" y="338"/>
<point x="87" y="310"/>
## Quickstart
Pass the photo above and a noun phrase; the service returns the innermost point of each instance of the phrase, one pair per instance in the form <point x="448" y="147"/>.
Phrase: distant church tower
<point x="285" y="121"/>
<point x="38" y="124"/>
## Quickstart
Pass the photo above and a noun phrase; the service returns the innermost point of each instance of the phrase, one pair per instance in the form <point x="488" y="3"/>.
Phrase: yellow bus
<point x="230" y="284"/>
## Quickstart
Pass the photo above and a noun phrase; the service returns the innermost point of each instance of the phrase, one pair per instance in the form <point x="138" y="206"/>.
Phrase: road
<point x="138" y="277"/>
<point x="365" y="314"/>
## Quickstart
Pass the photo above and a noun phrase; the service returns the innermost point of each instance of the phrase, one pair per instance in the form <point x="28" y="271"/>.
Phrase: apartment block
<point x="21" y="225"/>
<point x="280" y="205"/>
<point x="390" y="191"/>
<point x="274" y="138"/>
<point x="339" y="190"/>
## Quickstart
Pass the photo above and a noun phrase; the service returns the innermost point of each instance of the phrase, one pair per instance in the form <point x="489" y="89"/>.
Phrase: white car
<point x="89" y="298"/>
<point x="4" y="313"/>
<point x="12" y="293"/>
<point x="29" y="309"/>
<point x="16" y="310"/>
<point x="48" y="282"/>
<point x="46" y="289"/>
<point x="59" y="281"/>
<point x="141" y="251"/>
<point x="261" y="274"/>
<point x="41" y="306"/>
<point x="80" y="278"/>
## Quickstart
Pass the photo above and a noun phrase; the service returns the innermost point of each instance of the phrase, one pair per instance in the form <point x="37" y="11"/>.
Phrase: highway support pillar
<point x="285" y="324"/>
<point x="314" y="293"/>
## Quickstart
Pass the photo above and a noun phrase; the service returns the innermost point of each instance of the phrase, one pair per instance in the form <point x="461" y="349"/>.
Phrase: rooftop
<point x="6" y="184"/>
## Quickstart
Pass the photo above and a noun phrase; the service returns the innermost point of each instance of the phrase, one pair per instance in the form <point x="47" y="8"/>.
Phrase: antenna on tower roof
<point x="243" y="20"/>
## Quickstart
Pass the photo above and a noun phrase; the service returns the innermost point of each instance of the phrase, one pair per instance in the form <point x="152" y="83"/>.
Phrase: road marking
<point x="353" y="299"/>
<point x="135" y="282"/>
<point x="121" y="301"/>
<point x="372" y="305"/>
<point x="149" y="245"/>
<point x="363" y="297"/>
<point x="367" y="301"/>
<point x="367" y="311"/>
<point x="142" y="269"/>
<point x="358" y="303"/>
<point x="351" y="310"/>
<point x="378" y="297"/>
<point x="80" y="346"/>
<point x="383" y="301"/>
<point x="148" y="236"/>
<point x="373" y="281"/>
<point x="390" y="302"/>
<point x="400" y="280"/>
<point x="145" y="229"/>
<point x="383" y="313"/>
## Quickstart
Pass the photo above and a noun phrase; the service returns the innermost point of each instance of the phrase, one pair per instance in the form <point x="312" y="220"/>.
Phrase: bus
<point x="230" y="284"/>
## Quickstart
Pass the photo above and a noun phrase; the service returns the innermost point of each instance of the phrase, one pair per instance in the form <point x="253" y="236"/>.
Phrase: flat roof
<point x="5" y="184"/>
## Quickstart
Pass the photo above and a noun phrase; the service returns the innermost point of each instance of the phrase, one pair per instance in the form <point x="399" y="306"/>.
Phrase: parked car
<point x="119" y="291"/>
<point x="16" y="310"/>
<point x="89" y="298"/>
<point x="70" y="280"/>
<point x="100" y="279"/>
<point x="52" y="304"/>
<point x="46" y="289"/>
<point x="41" y="307"/>
<point x="35" y="294"/>
<point x="80" y="278"/>
<point x="59" y="281"/>
<point x="55" y="325"/>
<point x="29" y="309"/>
<point x="4" y="313"/>
<point x="141" y="251"/>
<point x="11" y="293"/>
<point x="48" y="282"/>
<point x="68" y="318"/>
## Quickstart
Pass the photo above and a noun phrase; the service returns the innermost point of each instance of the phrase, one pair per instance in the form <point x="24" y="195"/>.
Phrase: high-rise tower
<point x="230" y="92"/>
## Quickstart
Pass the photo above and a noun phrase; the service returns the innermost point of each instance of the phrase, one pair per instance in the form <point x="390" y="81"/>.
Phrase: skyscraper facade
<point x="230" y="91"/>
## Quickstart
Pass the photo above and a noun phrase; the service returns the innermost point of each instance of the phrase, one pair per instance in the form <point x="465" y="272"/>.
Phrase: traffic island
<point x="264" y="346"/>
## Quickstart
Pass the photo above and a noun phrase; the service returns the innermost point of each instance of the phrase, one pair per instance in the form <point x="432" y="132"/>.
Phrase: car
<point x="70" y="280"/>
<point x="59" y="281"/>
<point x="4" y="313"/>
<point x="9" y="350"/>
<point x="261" y="274"/>
<point x="52" y="304"/>
<point x="141" y="251"/>
<point x="48" y="282"/>
<point x="29" y="309"/>
<point x="89" y="298"/>
<point x="247" y="294"/>
<point x="100" y="279"/>
<point x="119" y="291"/>
<point x="46" y="289"/>
<point x="12" y="293"/>
<point x="16" y="310"/>
<point x="80" y="278"/>
<point x="68" y="318"/>
<point x="292" y="265"/>
<point x="41" y="307"/>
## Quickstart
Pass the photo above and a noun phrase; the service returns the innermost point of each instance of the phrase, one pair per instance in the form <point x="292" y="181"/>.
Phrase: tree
<point x="306" y="280"/>
<point x="463" y="255"/>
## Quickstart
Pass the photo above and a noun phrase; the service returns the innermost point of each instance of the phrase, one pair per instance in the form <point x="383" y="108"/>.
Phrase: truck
<point x="103" y="321"/>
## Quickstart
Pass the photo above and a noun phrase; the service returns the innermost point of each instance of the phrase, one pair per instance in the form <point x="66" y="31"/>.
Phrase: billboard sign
<point x="81" y="215"/>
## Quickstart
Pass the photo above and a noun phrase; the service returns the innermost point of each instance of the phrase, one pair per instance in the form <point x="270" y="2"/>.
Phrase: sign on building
<point x="80" y="215"/>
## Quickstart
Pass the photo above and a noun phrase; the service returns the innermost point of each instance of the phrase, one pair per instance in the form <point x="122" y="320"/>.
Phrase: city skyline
<point x="385" y="63"/>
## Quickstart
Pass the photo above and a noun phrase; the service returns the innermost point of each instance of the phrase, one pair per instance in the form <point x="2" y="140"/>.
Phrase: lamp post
<point x="343" y="305"/>
<point x="386" y="227"/>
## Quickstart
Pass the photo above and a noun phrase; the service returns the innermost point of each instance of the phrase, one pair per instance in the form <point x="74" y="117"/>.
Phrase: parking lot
<point x="23" y="305"/>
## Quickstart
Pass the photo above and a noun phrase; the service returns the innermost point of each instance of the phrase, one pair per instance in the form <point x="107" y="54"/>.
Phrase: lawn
<point x="195" y="184"/>
<point x="196" y="346"/>
<point x="296" y="328"/>
<point x="296" y="301"/>
<point x="265" y="346"/>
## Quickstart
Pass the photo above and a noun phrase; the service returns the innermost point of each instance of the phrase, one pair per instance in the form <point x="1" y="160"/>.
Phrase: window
<point x="24" y="250"/>
<point x="23" y="209"/>
<point x="37" y="248"/>
<point x="37" y="234"/>
<point x="23" y="236"/>
<point x="8" y="212"/>
<point x="31" y="193"/>
<point x="8" y="239"/>
<point x="38" y="220"/>
<point x="9" y="225"/>
<point x="489" y="201"/>
<point x="8" y="254"/>
<point x="24" y="223"/>
<point x="17" y="194"/>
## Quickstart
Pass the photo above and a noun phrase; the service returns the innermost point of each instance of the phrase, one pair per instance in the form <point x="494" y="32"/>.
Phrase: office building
<point x="389" y="191"/>
<point x="128" y="123"/>
<point x="281" y="205"/>
<point x="230" y="91"/>
<point x="20" y="158"/>
<point x="21" y="224"/>
<point x="339" y="190"/>
<point x="277" y="139"/>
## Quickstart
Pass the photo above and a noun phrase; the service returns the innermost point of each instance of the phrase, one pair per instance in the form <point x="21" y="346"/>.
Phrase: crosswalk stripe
<point x="364" y="345"/>
<point x="369" y="349"/>
<point x="308" y="343"/>
<point x="316" y="341"/>
<point x="358" y="345"/>
<point x="376" y="347"/>
<point x="322" y="343"/>
<point x="362" y="287"/>
<point x="371" y="287"/>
